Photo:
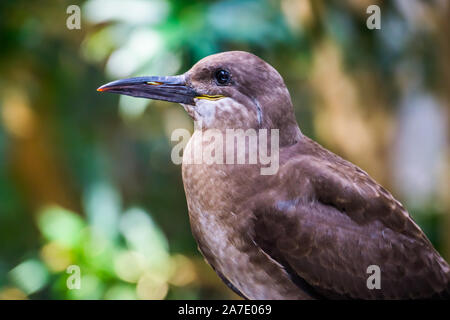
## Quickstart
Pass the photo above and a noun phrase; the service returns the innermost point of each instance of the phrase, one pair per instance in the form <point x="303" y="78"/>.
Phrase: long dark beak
<point x="173" y="88"/>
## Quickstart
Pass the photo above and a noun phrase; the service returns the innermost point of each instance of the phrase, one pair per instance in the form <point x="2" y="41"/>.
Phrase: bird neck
<point x="290" y="134"/>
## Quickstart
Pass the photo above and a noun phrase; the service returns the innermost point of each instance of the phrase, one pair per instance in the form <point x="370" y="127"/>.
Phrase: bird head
<point x="229" y="90"/>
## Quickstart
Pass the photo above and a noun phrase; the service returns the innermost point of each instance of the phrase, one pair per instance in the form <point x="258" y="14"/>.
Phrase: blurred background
<point x="86" y="179"/>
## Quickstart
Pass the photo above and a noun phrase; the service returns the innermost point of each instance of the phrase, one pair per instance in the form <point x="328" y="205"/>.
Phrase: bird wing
<point x="337" y="223"/>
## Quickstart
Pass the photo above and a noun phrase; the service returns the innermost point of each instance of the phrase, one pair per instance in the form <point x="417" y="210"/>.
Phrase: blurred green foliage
<point x="86" y="179"/>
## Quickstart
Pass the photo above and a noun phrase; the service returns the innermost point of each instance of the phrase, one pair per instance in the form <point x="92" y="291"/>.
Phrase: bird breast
<point x="221" y="222"/>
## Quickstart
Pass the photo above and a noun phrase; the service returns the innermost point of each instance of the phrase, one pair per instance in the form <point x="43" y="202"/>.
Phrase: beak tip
<point x="100" y="89"/>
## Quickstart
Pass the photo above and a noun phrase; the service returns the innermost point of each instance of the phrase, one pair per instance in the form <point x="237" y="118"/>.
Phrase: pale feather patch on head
<point x="220" y="113"/>
<point x="205" y="110"/>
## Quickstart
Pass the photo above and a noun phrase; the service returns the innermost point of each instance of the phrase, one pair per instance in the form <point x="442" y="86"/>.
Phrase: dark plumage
<point x="311" y="229"/>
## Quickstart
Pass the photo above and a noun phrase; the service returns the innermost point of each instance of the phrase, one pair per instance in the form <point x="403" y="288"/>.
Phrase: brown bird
<point x="314" y="225"/>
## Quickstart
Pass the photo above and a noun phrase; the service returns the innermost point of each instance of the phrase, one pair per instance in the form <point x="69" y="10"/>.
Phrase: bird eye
<point x="222" y="77"/>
